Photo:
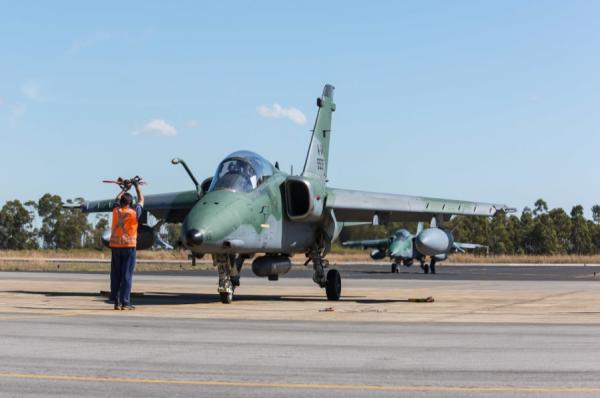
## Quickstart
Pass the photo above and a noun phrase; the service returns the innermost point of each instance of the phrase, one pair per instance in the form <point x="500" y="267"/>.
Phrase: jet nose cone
<point x="426" y="237"/>
<point x="433" y="241"/>
<point x="194" y="237"/>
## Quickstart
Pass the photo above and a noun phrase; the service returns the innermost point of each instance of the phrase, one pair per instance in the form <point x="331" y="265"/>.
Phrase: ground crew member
<point x="123" y="240"/>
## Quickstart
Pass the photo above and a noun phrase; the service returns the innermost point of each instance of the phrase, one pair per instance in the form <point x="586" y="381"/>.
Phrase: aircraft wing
<point x="171" y="207"/>
<point x="351" y="205"/>
<point x="372" y="243"/>
<point x="461" y="247"/>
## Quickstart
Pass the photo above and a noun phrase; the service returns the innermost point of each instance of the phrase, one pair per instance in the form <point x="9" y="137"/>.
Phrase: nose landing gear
<point x="229" y="267"/>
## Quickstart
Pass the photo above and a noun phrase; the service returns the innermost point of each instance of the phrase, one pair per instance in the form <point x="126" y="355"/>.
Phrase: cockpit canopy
<point x="402" y="234"/>
<point x="241" y="171"/>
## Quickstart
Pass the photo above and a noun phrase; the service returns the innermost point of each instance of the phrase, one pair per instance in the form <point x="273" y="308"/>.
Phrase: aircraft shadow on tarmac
<point x="383" y="273"/>
<point x="169" y="298"/>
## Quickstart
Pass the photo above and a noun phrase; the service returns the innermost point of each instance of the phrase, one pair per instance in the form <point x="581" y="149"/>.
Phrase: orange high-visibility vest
<point x="124" y="228"/>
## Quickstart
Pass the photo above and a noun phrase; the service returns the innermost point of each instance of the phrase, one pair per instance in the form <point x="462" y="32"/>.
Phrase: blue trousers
<point x="121" y="274"/>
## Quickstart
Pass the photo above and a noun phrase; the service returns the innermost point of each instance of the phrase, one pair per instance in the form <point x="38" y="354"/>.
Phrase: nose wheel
<point x="226" y="297"/>
<point x="229" y="276"/>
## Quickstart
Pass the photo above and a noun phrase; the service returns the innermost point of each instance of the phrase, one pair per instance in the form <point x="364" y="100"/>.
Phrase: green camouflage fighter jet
<point x="249" y="207"/>
<point x="404" y="248"/>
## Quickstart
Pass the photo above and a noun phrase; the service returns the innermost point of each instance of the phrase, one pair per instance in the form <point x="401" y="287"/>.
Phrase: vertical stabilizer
<point x="318" y="151"/>
<point x="419" y="228"/>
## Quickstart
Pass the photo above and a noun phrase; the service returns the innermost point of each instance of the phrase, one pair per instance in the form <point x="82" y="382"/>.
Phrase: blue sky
<point x="491" y="101"/>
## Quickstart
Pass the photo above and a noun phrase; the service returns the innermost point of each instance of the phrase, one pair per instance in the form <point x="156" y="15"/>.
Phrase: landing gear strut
<point x="235" y="272"/>
<point x="229" y="267"/>
<point x="424" y="266"/>
<point x="332" y="282"/>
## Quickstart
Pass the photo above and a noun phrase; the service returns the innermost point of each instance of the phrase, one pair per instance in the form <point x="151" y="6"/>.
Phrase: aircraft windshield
<point x="241" y="172"/>
<point x="402" y="234"/>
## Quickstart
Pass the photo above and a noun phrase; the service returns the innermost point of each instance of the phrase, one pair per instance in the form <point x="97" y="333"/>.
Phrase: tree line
<point x="536" y="231"/>
<point x="45" y="224"/>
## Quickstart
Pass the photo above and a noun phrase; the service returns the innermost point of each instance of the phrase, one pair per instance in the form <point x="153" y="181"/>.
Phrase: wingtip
<point x="506" y="209"/>
<point x="73" y="205"/>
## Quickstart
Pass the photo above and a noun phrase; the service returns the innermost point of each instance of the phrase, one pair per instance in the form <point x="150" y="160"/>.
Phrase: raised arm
<point x="138" y="191"/>
<point x="118" y="198"/>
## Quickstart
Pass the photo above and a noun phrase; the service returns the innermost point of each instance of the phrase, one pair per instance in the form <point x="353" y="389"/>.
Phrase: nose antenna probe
<point x="187" y="169"/>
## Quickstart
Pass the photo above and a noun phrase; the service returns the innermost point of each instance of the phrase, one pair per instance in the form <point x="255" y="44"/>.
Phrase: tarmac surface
<point x="509" y="337"/>
<point x="490" y="272"/>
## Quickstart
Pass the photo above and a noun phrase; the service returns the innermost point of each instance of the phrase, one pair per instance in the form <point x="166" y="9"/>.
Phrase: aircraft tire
<point x="226" y="298"/>
<point x="426" y="268"/>
<point x="394" y="268"/>
<point x="333" y="288"/>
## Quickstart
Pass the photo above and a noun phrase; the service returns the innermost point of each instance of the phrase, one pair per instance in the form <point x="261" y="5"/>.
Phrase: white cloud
<point x="277" y="111"/>
<point x="31" y="90"/>
<point x="157" y="127"/>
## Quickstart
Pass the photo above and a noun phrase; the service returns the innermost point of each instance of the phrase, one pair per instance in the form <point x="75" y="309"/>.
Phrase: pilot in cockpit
<point x="238" y="175"/>
<point x="241" y="174"/>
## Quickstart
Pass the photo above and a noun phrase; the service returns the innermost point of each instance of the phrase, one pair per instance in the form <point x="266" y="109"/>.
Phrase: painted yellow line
<point x="367" y="387"/>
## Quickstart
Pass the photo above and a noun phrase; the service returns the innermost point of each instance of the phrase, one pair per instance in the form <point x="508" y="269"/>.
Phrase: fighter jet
<point x="250" y="207"/>
<point x="404" y="248"/>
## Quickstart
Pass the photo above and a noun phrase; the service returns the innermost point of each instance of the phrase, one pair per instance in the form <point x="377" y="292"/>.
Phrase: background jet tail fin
<point x="318" y="151"/>
<point x="419" y="228"/>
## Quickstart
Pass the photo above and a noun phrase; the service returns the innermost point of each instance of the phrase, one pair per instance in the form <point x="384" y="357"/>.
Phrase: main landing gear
<point x="229" y="267"/>
<point x="332" y="282"/>
<point x="333" y="287"/>
<point x="428" y="267"/>
<point x="432" y="266"/>
<point x="407" y="262"/>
